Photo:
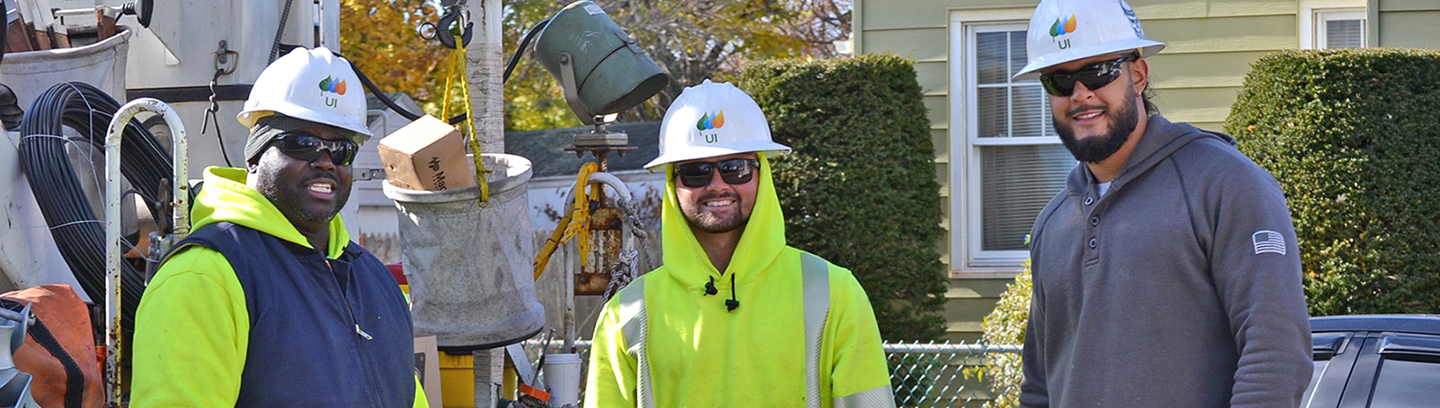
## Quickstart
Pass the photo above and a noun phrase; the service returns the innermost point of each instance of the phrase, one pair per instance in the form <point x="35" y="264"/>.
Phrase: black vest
<point x="305" y="349"/>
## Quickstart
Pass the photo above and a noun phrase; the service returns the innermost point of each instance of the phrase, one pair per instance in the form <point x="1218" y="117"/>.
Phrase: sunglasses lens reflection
<point x="695" y="174"/>
<point x="699" y="174"/>
<point x="1094" y="76"/>
<point x="308" y="147"/>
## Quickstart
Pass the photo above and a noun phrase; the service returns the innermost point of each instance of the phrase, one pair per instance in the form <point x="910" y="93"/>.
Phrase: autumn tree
<point x="690" y="40"/>
<point x="380" y="38"/>
<point x="695" y="40"/>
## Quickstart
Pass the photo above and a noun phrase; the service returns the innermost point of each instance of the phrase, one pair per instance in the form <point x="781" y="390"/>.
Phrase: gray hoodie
<point x="1180" y="287"/>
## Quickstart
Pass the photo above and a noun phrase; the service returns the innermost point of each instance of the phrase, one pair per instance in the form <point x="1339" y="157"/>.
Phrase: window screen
<point x="1344" y="33"/>
<point x="1016" y="179"/>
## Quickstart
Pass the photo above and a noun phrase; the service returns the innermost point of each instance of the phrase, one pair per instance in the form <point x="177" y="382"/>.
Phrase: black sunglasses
<point x="307" y="147"/>
<point x="733" y="171"/>
<point x="1094" y="76"/>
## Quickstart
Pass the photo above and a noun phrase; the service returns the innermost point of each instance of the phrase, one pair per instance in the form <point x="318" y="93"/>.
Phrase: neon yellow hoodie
<point x="193" y="328"/>
<point x="699" y="354"/>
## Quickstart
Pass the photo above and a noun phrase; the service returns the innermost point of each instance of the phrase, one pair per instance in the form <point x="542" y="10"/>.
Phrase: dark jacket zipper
<point x="369" y="368"/>
<point x="349" y="308"/>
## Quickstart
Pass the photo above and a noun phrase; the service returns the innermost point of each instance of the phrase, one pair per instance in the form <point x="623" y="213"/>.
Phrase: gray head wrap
<point x="267" y="128"/>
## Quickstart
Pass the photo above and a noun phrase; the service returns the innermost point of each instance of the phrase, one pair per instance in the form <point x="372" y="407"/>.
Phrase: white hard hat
<point x="314" y="85"/>
<point x="713" y="119"/>
<point x="1062" y="31"/>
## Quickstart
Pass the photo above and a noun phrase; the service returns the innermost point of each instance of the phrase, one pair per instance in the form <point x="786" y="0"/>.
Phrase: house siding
<point x="1408" y="23"/>
<point x="1210" y="45"/>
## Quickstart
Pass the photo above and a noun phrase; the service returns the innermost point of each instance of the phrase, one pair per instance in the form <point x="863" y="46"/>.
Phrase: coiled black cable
<point x="78" y="233"/>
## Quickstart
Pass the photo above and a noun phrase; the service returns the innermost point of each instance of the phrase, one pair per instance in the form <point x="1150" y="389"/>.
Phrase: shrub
<point x="859" y="187"/>
<point x="1003" y="326"/>
<point x="1353" y="137"/>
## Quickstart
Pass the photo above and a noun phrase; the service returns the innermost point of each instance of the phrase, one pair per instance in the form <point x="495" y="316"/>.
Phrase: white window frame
<point x="968" y="259"/>
<point x="1314" y="13"/>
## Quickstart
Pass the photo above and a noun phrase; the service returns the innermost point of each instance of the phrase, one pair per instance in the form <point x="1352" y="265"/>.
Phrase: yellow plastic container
<point x="457" y="380"/>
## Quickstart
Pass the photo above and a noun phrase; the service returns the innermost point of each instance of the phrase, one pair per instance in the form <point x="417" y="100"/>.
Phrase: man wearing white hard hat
<point x="734" y="318"/>
<point x="1166" y="273"/>
<point x="268" y="302"/>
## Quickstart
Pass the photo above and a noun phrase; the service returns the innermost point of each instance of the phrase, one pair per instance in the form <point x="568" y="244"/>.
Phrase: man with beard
<point x="268" y="302"/>
<point x="1166" y="273"/>
<point x="734" y="318"/>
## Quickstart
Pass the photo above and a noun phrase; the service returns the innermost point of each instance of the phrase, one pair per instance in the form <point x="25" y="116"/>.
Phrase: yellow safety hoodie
<point x="663" y="341"/>
<point x="192" y="329"/>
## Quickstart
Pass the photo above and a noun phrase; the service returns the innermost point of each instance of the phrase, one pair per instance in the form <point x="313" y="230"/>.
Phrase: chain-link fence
<point x="926" y="374"/>
<point x="950" y="375"/>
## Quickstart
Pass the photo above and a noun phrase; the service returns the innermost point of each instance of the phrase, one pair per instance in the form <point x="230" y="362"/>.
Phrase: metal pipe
<point x="110" y="10"/>
<point x="113" y="244"/>
<point x="612" y="181"/>
<point x="568" y="285"/>
<point x="626" y="244"/>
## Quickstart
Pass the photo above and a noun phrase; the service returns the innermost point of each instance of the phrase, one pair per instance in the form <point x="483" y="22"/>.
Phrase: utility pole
<point x="484" y="74"/>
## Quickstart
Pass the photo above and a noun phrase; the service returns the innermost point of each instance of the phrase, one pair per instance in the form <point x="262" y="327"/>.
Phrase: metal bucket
<point x="472" y="284"/>
<point x="101" y="64"/>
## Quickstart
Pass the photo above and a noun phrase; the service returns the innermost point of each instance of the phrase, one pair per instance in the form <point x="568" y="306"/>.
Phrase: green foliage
<point x="1353" y="137"/>
<point x="1006" y="325"/>
<point x="859" y="188"/>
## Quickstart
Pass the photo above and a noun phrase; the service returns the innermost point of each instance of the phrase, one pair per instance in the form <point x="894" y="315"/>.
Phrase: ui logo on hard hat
<point x="1062" y="27"/>
<point x="331" y="85"/>
<point x="711" y="122"/>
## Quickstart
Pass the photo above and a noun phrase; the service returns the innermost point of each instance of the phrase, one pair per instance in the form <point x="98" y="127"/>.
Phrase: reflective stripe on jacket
<point x="802" y="336"/>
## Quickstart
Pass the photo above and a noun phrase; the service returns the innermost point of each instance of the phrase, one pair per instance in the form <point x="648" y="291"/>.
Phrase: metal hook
<point x="446" y="37"/>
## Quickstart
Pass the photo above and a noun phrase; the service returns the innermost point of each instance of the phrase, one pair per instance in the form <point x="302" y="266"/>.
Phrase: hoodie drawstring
<point x="731" y="304"/>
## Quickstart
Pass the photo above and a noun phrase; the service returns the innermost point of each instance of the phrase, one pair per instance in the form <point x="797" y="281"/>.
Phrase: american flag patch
<point x="1267" y="241"/>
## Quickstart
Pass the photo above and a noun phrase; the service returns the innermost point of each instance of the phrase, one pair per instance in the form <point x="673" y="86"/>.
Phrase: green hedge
<point x="859" y="188"/>
<point x="1353" y="136"/>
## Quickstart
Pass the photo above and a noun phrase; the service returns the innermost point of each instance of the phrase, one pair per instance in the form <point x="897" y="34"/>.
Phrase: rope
<point x="626" y="267"/>
<point x="457" y="70"/>
<point x="622" y="273"/>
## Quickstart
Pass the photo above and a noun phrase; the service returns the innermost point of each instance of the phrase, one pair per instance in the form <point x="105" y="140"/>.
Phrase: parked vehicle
<point x="1375" y="361"/>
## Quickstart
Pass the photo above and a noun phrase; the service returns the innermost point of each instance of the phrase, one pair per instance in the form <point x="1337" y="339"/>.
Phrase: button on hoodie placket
<point x="1092" y="230"/>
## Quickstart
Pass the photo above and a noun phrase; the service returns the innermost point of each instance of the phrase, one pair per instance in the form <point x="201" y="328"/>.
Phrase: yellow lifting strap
<point x="457" y="70"/>
<point x="574" y="224"/>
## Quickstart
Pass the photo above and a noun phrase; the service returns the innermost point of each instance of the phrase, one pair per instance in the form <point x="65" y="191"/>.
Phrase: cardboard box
<point x="427" y="154"/>
<point x="427" y="366"/>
